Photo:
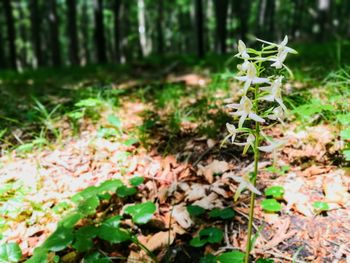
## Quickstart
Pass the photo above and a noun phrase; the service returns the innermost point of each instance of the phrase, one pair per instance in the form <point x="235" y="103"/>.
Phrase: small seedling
<point x="320" y="207"/>
<point x="276" y="192"/>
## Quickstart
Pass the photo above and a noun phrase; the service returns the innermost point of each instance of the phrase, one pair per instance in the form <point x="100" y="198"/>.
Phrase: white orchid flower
<point x="245" y="109"/>
<point x="249" y="143"/>
<point x="244" y="66"/>
<point x="280" y="58"/>
<point x="277" y="114"/>
<point x="244" y="183"/>
<point x="232" y="131"/>
<point x="242" y="50"/>
<point x="275" y="93"/>
<point x="274" y="145"/>
<point x="251" y="77"/>
<point x="281" y="46"/>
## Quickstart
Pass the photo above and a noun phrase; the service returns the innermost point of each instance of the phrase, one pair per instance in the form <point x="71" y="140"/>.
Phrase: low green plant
<point x="79" y="230"/>
<point x="260" y="73"/>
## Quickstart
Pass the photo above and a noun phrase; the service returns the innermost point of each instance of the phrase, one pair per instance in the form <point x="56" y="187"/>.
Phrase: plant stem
<point x="253" y="180"/>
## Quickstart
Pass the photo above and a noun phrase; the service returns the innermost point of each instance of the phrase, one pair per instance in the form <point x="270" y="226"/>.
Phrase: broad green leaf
<point x="320" y="206"/>
<point x="96" y="257"/>
<point x="212" y="234"/>
<point x="113" y="221"/>
<point x="209" y="258"/>
<point x="225" y="213"/>
<point x="197" y="242"/>
<point x="109" y="186"/>
<point x="231" y="257"/>
<point x="141" y="213"/>
<point x="85" y="194"/>
<point x="195" y="210"/>
<point x="83" y="238"/>
<point x="276" y="192"/>
<point x="115" y="121"/>
<point x="125" y="191"/>
<point x="264" y="260"/>
<point x="88" y="207"/>
<point x="10" y="252"/>
<point x="136" y="181"/>
<point x="271" y="205"/>
<point x="345" y="134"/>
<point x="131" y="141"/>
<point x="70" y="220"/>
<point x="40" y="255"/>
<point x="59" y="239"/>
<point x="113" y="234"/>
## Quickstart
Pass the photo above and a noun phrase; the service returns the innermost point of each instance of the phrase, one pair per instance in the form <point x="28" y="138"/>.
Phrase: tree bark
<point x="99" y="35"/>
<point x="199" y="27"/>
<point x="72" y="32"/>
<point x="221" y="8"/>
<point x="159" y="24"/>
<point x="117" y="29"/>
<point x="243" y="12"/>
<point x="144" y="41"/>
<point x="35" y="20"/>
<point x="2" y="49"/>
<point x="54" y="34"/>
<point x="11" y="33"/>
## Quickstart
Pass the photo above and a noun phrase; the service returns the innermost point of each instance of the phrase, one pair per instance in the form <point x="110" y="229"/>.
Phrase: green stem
<point x="253" y="179"/>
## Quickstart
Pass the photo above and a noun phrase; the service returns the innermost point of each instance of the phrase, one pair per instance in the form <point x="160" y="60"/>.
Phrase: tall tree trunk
<point x="11" y="33"/>
<point x="221" y="8"/>
<point x="72" y="32"/>
<point x="35" y="18"/>
<point x="297" y="15"/>
<point x="199" y="27"/>
<point x="85" y="33"/>
<point x="2" y="47"/>
<point x="99" y="35"/>
<point x="23" y="37"/>
<point x="117" y="29"/>
<point x="323" y="10"/>
<point x="144" y="41"/>
<point x="54" y="34"/>
<point x="270" y="20"/>
<point x="160" y="35"/>
<point x="243" y="12"/>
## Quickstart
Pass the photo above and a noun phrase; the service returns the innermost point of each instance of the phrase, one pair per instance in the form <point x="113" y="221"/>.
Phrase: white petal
<point x="255" y="117"/>
<point x="257" y="80"/>
<point x="242" y="78"/>
<point x="280" y="102"/>
<point x="268" y="97"/>
<point x="233" y="105"/>
<point x="231" y="128"/>
<point x="242" y="119"/>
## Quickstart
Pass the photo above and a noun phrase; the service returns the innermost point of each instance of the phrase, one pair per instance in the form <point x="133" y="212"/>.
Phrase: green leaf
<point x="345" y="134"/>
<point x="70" y="220"/>
<point x="83" y="238"/>
<point x="131" y="141"/>
<point x="276" y="192"/>
<point x="231" y="257"/>
<point x="59" y="239"/>
<point x="113" y="221"/>
<point x="114" y="235"/>
<point x="347" y="154"/>
<point x="109" y="186"/>
<point x="40" y="255"/>
<point x="264" y="260"/>
<point x="271" y="205"/>
<point x="195" y="210"/>
<point x="225" y="213"/>
<point x="89" y="206"/>
<point x="10" y="252"/>
<point x="320" y="206"/>
<point x="136" y="181"/>
<point x="96" y="257"/>
<point x="212" y="234"/>
<point x="88" y="103"/>
<point x="125" y="191"/>
<point x="209" y="258"/>
<point x="115" y="121"/>
<point x="85" y="194"/>
<point x="197" y="242"/>
<point x="141" y="213"/>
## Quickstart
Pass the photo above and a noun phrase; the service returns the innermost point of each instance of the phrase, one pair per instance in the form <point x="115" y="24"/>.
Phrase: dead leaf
<point x="334" y="189"/>
<point x="215" y="167"/>
<point x="160" y="240"/>
<point x="181" y="215"/>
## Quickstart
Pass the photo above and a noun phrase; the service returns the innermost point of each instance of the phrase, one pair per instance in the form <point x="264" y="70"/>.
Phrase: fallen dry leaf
<point x="181" y="215"/>
<point x="215" y="167"/>
<point x="160" y="240"/>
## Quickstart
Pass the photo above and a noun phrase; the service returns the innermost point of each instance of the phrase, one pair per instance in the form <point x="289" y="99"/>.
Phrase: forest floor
<point x="64" y="131"/>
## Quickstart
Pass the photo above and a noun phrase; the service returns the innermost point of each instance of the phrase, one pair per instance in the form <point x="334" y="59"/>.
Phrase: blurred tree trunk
<point x="199" y="27"/>
<point x="117" y="29"/>
<point x="159" y="25"/>
<point x="144" y="41"/>
<point x="23" y="36"/>
<point x="72" y="32"/>
<point x="221" y="8"/>
<point x="322" y="17"/>
<point x="2" y="48"/>
<point x="35" y="19"/>
<point x="269" y="27"/>
<point x="11" y="33"/>
<point x="243" y="12"/>
<point x="297" y="18"/>
<point x="54" y="34"/>
<point x="85" y="32"/>
<point x="99" y="35"/>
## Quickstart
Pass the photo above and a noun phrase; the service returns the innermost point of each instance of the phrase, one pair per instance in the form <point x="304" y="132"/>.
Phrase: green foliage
<point x="278" y="170"/>
<point x="230" y="257"/>
<point x="10" y="253"/>
<point x="210" y="235"/>
<point x="136" y="181"/>
<point x="141" y="213"/>
<point x="276" y="192"/>
<point x="320" y="206"/>
<point x="271" y="205"/>
<point x="226" y="213"/>
<point x="195" y="210"/>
